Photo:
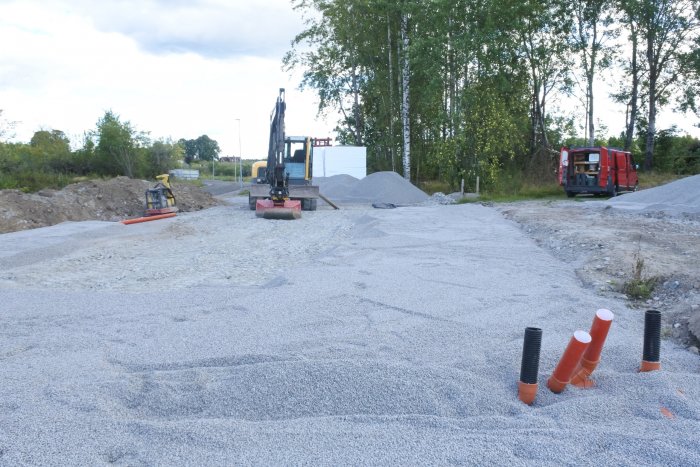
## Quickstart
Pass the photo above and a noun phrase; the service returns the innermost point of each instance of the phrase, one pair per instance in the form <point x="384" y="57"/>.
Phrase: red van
<point x="597" y="170"/>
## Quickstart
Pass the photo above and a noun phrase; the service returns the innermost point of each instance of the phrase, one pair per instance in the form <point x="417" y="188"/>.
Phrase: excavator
<point x="160" y="199"/>
<point x="289" y="188"/>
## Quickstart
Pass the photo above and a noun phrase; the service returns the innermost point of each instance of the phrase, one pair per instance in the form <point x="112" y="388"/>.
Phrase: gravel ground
<point x="603" y="240"/>
<point x="347" y="337"/>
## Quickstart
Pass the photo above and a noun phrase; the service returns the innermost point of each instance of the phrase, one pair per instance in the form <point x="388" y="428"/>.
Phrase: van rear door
<point x="563" y="164"/>
<point x="621" y="177"/>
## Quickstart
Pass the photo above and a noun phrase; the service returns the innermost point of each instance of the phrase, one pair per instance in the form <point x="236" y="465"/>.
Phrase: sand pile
<point x="379" y="187"/>
<point x="107" y="200"/>
<point x="679" y="197"/>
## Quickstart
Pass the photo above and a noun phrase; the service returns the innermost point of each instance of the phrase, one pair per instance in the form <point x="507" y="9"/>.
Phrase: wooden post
<point x="462" y="189"/>
<point x="328" y="201"/>
<point x="477" y="184"/>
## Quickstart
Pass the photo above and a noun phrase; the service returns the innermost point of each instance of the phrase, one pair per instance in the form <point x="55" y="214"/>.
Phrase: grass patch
<point x="33" y="181"/>
<point x="184" y="181"/>
<point x="652" y="179"/>
<point x="434" y="186"/>
<point x="523" y="193"/>
<point x="639" y="287"/>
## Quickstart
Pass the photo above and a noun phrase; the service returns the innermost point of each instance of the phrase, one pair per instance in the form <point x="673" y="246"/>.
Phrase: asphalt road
<point x="220" y="187"/>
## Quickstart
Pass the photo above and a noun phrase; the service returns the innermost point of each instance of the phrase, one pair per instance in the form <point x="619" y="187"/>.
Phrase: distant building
<point x="229" y="159"/>
<point x="185" y="174"/>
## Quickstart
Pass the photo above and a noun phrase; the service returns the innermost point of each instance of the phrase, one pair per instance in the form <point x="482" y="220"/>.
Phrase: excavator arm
<point x="278" y="206"/>
<point x="276" y="178"/>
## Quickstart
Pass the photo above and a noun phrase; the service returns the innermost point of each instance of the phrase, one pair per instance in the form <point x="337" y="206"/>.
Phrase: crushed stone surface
<point x="680" y="197"/>
<point x="359" y="336"/>
<point x="379" y="187"/>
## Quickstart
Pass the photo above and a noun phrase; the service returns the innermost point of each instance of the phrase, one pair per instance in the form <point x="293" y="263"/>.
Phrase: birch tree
<point x="591" y="33"/>
<point x="667" y="28"/>
<point x="405" y="96"/>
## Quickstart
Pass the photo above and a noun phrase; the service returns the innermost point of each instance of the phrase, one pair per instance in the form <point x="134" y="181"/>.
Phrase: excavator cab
<point x="160" y="199"/>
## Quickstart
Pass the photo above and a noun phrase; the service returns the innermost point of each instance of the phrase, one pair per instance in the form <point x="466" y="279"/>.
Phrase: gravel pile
<point x="379" y="187"/>
<point x="679" y="197"/>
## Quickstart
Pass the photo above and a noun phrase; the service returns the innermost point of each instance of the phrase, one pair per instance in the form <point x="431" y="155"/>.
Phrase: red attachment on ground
<point x="147" y="219"/>
<point x="268" y="209"/>
<point x="572" y="356"/>
<point x="667" y="413"/>
<point x="599" y="332"/>
<point x="158" y="212"/>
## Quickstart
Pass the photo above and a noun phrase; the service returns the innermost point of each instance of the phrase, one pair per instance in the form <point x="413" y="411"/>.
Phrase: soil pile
<point x="379" y="187"/>
<point x="679" y="197"/>
<point x="107" y="200"/>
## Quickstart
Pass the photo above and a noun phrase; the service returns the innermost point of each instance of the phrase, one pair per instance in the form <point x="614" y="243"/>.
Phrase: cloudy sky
<point x="175" y="68"/>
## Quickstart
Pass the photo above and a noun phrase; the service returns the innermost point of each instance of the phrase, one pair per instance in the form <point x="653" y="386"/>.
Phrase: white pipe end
<point x="582" y="336"/>
<point x="605" y="315"/>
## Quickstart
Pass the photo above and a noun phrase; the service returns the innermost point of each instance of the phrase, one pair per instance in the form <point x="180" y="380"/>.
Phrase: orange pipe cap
<point x="527" y="392"/>
<point x="649" y="366"/>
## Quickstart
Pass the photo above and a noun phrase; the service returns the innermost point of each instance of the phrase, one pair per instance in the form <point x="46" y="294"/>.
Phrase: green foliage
<point x="162" y="156"/>
<point x="120" y="147"/>
<point x="201" y="149"/>
<point x="435" y="186"/>
<point x="113" y="148"/>
<point x="483" y="77"/>
<point x="224" y="170"/>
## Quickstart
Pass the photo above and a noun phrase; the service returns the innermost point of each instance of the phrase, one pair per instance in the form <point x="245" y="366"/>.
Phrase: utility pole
<point x="240" y="153"/>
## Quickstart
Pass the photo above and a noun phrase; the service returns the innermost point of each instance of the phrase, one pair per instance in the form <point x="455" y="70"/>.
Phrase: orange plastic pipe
<point x="572" y="355"/>
<point x="599" y="332"/>
<point x="148" y="218"/>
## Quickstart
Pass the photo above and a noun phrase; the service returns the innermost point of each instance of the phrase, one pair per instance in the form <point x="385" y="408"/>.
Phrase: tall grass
<point x="653" y="178"/>
<point x="31" y="181"/>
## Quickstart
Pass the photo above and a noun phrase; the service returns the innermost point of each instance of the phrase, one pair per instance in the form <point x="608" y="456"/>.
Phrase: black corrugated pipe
<point x="527" y="386"/>
<point x="652" y="341"/>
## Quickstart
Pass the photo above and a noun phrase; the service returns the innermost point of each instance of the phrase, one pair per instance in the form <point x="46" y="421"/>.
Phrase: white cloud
<point x="173" y="68"/>
<point x="65" y="73"/>
<point x="207" y="27"/>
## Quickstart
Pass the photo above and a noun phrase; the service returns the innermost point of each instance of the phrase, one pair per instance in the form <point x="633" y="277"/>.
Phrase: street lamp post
<point x="240" y="153"/>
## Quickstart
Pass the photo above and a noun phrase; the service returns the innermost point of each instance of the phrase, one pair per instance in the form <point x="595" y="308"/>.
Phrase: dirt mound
<point x="107" y="200"/>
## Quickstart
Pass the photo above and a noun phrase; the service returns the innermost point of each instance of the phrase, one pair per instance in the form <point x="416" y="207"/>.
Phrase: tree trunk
<point x="591" y="125"/>
<point x="391" y="95"/>
<point x="124" y="158"/>
<point x="590" y="75"/>
<point x="405" y="104"/>
<point x="651" y="129"/>
<point x="635" y="91"/>
<point x="540" y="114"/>
<point x="357" y="115"/>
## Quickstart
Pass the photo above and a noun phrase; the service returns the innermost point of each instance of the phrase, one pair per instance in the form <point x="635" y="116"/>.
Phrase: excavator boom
<point x="277" y="205"/>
